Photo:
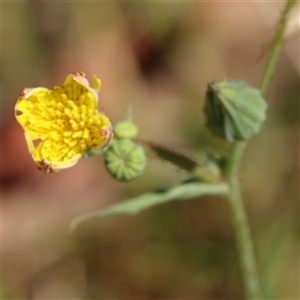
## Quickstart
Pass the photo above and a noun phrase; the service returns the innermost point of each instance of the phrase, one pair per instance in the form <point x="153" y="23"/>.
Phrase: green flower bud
<point x="125" y="160"/>
<point x="125" y="130"/>
<point x="234" y="110"/>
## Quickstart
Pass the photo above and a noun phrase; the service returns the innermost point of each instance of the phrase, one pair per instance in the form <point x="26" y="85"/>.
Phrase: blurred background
<point x="156" y="57"/>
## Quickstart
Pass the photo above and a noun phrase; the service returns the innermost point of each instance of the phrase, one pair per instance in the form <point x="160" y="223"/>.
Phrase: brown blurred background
<point x="158" y="58"/>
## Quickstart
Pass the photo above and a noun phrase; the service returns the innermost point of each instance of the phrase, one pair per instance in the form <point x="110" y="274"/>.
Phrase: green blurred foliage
<point x="158" y="58"/>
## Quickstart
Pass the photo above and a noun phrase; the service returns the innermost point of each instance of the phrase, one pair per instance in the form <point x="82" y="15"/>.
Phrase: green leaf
<point x="186" y="190"/>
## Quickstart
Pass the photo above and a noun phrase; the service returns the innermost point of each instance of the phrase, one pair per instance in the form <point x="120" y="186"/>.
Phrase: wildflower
<point x="62" y="123"/>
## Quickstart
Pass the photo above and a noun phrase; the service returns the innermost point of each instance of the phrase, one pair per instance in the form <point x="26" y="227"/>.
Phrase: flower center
<point x="66" y="127"/>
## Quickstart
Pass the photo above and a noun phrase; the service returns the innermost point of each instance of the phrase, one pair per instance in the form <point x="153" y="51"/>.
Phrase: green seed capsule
<point x="125" y="130"/>
<point x="125" y="160"/>
<point x="234" y="110"/>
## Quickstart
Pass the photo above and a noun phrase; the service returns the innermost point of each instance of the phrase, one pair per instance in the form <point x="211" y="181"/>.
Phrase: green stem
<point x="275" y="48"/>
<point x="241" y="226"/>
<point x="204" y="172"/>
<point x="235" y="202"/>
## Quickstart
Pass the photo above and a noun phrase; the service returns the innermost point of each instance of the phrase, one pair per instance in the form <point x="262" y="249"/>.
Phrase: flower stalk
<point x="275" y="47"/>
<point x="235" y="202"/>
<point x="241" y="225"/>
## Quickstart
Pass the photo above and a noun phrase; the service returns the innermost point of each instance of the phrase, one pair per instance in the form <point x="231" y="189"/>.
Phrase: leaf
<point x="186" y="190"/>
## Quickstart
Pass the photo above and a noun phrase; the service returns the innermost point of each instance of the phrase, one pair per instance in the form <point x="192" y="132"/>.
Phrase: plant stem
<point x="235" y="202"/>
<point x="204" y="172"/>
<point x="275" y="48"/>
<point x="241" y="226"/>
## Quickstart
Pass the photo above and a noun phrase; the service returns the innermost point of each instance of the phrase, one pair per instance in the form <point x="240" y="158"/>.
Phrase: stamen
<point x="74" y="125"/>
<point x="76" y="115"/>
<point x="77" y="134"/>
<point x="65" y="150"/>
<point x="59" y="146"/>
<point x="70" y="153"/>
<point x="53" y="104"/>
<point x="83" y="109"/>
<point x="64" y="98"/>
<point x="85" y="133"/>
<point x="73" y="143"/>
<point x="56" y="126"/>
<point x="55" y="136"/>
<point x="67" y="133"/>
<point x="60" y="106"/>
<point x="68" y="112"/>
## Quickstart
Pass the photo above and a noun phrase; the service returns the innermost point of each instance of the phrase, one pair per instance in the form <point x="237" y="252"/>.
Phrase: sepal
<point x="234" y="110"/>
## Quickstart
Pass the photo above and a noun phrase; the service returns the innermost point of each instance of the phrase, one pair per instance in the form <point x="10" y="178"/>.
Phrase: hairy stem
<point x="204" y="172"/>
<point x="235" y="202"/>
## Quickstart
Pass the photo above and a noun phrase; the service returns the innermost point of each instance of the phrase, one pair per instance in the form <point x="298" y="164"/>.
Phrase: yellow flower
<point x="61" y="124"/>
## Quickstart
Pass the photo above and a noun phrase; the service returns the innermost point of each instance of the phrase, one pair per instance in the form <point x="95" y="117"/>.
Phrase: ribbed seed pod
<point x="125" y="130"/>
<point x="125" y="160"/>
<point x="234" y="110"/>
